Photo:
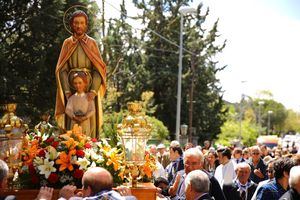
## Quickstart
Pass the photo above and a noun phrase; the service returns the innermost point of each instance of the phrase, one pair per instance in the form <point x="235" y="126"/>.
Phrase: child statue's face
<point x="79" y="85"/>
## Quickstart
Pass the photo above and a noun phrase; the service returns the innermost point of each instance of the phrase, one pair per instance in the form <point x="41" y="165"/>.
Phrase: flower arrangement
<point x="58" y="160"/>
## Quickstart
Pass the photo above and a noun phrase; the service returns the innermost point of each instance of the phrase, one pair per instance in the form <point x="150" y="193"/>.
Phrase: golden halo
<point x="67" y="16"/>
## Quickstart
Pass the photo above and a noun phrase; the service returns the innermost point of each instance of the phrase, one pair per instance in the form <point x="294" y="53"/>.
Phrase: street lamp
<point x="269" y="120"/>
<point x="184" y="129"/>
<point x="183" y="11"/>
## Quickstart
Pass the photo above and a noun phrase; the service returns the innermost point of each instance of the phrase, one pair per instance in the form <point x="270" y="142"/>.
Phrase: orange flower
<point x="70" y="143"/>
<point x="149" y="165"/>
<point x="31" y="152"/>
<point x="65" y="160"/>
<point x="147" y="170"/>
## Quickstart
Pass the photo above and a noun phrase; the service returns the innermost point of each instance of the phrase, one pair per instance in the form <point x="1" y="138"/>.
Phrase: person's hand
<point x="173" y="189"/>
<point x="124" y="191"/>
<point x="45" y="193"/>
<point x="67" y="191"/>
<point x="258" y="173"/>
<point x="158" y="190"/>
<point x="91" y="96"/>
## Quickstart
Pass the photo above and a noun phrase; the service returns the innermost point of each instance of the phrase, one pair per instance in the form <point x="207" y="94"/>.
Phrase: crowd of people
<point x="195" y="173"/>
<point x="233" y="173"/>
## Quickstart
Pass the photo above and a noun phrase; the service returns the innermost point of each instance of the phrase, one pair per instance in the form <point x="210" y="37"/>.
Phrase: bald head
<point x="98" y="179"/>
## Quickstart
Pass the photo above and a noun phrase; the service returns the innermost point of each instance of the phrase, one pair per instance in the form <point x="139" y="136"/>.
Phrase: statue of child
<point x="78" y="108"/>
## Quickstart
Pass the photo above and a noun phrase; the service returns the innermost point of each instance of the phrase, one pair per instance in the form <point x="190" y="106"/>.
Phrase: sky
<point x="262" y="51"/>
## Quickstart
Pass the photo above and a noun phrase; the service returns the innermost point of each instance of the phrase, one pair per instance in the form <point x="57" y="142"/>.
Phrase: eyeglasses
<point x="191" y="163"/>
<point x="270" y="171"/>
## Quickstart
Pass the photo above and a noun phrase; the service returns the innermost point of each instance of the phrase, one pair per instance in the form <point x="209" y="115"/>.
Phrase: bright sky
<point x="262" y="52"/>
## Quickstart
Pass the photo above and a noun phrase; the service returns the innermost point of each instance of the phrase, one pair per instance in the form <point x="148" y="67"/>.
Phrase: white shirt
<point x="225" y="174"/>
<point x="160" y="171"/>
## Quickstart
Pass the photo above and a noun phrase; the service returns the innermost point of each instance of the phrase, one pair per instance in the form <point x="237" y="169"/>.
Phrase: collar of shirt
<point x="83" y="39"/>
<point x="242" y="186"/>
<point x="80" y="95"/>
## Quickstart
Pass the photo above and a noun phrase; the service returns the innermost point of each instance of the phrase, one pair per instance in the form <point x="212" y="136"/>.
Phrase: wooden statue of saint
<point x="80" y="53"/>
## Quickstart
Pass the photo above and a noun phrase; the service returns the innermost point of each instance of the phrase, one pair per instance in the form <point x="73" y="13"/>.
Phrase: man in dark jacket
<point x="294" y="181"/>
<point x="275" y="189"/>
<point x="197" y="186"/>
<point x="242" y="188"/>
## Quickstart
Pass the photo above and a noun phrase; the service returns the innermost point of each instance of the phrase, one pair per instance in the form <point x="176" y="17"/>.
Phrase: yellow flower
<point x="113" y="158"/>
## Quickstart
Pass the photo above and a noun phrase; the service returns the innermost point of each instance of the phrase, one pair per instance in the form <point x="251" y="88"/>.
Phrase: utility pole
<point x="191" y="97"/>
<point x="260" y="103"/>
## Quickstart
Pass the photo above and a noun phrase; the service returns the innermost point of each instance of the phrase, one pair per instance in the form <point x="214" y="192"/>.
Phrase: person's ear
<point x="286" y="174"/>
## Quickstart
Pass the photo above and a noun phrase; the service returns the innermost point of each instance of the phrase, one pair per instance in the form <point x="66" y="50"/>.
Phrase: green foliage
<point x="164" y="18"/>
<point x="292" y="122"/>
<point x="159" y="130"/>
<point x="277" y="117"/>
<point x="232" y="128"/>
<point x="109" y="129"/>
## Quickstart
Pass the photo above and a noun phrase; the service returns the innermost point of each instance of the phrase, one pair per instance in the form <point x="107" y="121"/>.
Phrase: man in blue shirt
<point x="275" y="189"/>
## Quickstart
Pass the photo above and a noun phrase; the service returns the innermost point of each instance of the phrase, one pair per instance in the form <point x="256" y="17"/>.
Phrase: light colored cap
<point x="161" y="146"/>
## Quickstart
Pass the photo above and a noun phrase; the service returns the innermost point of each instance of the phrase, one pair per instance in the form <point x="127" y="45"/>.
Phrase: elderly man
<point x="97" y="183"/>
<point x="294" y="182"/>
<point x="275" y="189"/>
<point x="197" y="186"/>
<point x="193" y="160"/>
<point x="163" y="156"/>
<point x="242" y="188"/>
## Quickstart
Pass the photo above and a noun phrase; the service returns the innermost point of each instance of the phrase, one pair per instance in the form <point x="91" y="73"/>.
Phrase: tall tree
<point x="163" y="17"/>
<point x="124" y="61"/>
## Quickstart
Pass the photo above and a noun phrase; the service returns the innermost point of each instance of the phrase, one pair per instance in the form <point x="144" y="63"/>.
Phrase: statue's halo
<point x="69" y="12"/>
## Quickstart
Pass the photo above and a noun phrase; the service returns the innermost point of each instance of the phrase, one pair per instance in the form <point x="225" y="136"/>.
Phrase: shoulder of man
<point x="68" y="40"/>
<point x="286" y="196"/>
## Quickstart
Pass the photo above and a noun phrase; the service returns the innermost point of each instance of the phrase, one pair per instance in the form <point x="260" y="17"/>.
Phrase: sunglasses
<point x="270" y="171"/>
<point x="255" y="153"/>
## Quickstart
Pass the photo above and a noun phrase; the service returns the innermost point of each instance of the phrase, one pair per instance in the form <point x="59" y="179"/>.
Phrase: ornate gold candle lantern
<point x="134" y="132"/>
<point x="11" y="138"/>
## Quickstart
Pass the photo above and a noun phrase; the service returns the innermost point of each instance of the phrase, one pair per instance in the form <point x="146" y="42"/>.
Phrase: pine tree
<point x="199" y="67"/>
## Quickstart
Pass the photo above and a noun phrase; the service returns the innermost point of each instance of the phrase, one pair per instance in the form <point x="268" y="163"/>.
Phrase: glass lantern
<point x="134" y="132"/>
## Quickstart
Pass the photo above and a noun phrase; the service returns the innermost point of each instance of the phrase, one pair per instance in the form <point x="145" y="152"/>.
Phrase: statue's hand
<point x="68" y="95"/>
<point x="91" y="96"/>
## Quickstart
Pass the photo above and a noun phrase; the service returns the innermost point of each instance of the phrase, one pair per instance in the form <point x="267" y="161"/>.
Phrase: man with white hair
<point x="294" y="181"/>
<point x="193" y="160"/>
<point x="197" y="186"/>
<point x="242" y="188"/>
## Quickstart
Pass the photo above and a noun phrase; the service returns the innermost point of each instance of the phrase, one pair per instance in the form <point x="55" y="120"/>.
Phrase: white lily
<point x="83" y="163"/>
<point x="47" y="168"/>
<point x="38" y="161"/>
<point x="52" y="153"/>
